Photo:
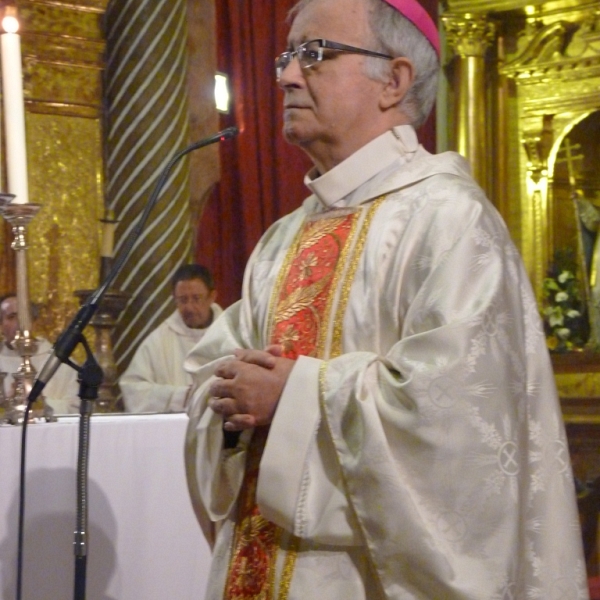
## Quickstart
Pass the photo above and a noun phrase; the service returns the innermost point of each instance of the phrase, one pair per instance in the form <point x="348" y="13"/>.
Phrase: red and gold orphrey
<point x="302" y="302"/>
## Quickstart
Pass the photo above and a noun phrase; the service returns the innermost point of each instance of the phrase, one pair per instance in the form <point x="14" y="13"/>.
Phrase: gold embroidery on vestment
<point x="288" y="567"/>
<point x="285" y="266"/>
<point x="319" y="230"/>
<point x="300" y="299"/>
<point x="336" y="342"/>
<point x="339" y="269"/>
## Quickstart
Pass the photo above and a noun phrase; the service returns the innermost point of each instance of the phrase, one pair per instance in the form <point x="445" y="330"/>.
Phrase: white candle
<point x="108" y="238"/>
<point x="14" y="110"/>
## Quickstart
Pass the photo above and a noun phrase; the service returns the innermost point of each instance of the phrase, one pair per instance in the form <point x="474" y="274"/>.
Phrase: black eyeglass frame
<point x="285" y="58"/>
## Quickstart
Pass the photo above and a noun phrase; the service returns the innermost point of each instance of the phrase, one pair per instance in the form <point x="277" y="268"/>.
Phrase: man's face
<point x="193" y="300"/>
<point x="331" y="108"/>
<point x="10" y="323"/>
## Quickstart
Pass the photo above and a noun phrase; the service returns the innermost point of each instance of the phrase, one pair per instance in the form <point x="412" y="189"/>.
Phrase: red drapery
<point x="261" y="175"/>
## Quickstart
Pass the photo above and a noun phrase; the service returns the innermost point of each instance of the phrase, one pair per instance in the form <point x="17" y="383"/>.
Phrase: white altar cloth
<point x="144" y="540"/>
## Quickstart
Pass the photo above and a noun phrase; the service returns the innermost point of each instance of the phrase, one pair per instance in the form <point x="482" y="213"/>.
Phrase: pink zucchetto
<point x="419" y="17"/>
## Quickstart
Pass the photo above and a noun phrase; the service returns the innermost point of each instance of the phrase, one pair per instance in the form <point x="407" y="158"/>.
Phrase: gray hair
<point x="395" y="35"/>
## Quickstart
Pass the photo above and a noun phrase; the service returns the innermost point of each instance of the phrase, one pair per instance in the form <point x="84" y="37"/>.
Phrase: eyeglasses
<point x="311" y="52"/>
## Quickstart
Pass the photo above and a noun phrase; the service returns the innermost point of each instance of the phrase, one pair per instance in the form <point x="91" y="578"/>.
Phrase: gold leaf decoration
<point x="318" y="231"/>
<point x="300" y="299"/>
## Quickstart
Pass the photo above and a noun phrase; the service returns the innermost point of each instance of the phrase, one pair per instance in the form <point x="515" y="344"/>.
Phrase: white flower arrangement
<point x="563" y="312"/>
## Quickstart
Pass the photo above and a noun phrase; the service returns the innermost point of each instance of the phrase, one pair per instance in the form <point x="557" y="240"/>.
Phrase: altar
<point x="144" y="540"/>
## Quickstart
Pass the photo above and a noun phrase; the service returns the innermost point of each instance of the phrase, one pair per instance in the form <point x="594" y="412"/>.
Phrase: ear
<point x="400" y="80"/>
<point x="213" y="296"/>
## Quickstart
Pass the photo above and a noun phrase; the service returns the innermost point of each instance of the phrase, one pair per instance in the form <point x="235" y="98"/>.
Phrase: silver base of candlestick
<point x="15" y="405"/>
<point x="14" y="412"/>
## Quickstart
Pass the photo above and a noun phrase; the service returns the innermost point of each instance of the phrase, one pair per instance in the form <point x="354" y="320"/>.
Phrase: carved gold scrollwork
<point x="586" y="41"/>
<point x="543" y="48"/>
<point x="537" y="144"/>
<point x="558" y="51"/>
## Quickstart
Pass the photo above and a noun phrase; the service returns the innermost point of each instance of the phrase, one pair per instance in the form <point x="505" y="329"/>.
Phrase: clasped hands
<point x="249" y="386"/>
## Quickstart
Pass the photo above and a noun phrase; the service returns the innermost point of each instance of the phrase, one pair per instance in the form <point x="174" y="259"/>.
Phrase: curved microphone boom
<point x="71" y="336"/>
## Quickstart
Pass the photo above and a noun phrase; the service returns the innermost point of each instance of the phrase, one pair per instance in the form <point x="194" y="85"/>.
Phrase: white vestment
<point x="61" y="392"/>
<point x="155" y="380"/>
<point x="426" y="458"/>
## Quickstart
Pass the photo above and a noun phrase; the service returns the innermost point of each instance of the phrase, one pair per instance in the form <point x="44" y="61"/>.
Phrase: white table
<point x="144" y="541"/>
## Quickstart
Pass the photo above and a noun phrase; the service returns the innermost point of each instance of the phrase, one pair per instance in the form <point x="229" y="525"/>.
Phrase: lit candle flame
<point x="10" y="23"/>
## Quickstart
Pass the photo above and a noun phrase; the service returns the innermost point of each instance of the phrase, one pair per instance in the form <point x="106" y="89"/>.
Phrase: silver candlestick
<point x="19" y="216"/>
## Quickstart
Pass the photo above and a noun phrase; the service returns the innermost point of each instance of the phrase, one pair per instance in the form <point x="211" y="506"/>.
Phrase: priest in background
<point x="155" y="380"/>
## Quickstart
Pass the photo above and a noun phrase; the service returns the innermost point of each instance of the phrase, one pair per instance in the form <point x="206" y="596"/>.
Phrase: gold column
<point x="537" y="140"/>
<point x="469" y="36"/>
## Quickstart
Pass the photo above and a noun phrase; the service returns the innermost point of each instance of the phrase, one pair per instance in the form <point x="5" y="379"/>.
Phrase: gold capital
<point x="468" y="34"/>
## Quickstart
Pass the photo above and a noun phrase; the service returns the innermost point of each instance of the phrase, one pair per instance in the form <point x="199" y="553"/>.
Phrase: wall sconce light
<point x="222" y="96"/>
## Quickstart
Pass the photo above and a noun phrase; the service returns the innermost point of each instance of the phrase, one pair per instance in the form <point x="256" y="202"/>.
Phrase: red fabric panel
<point x="594" y="585"/>
<point x="261" y="175"/>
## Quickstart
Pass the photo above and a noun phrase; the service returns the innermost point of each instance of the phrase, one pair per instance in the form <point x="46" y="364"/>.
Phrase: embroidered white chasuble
<point x="419" y="451"/>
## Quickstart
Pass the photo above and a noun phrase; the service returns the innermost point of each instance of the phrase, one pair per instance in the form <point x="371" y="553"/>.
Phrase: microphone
<point x="221" y="136"/>
<point x="67" y="341"/>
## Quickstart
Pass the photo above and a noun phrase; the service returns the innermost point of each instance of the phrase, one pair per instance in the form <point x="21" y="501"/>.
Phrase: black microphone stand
<point x="90" y="378"/>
